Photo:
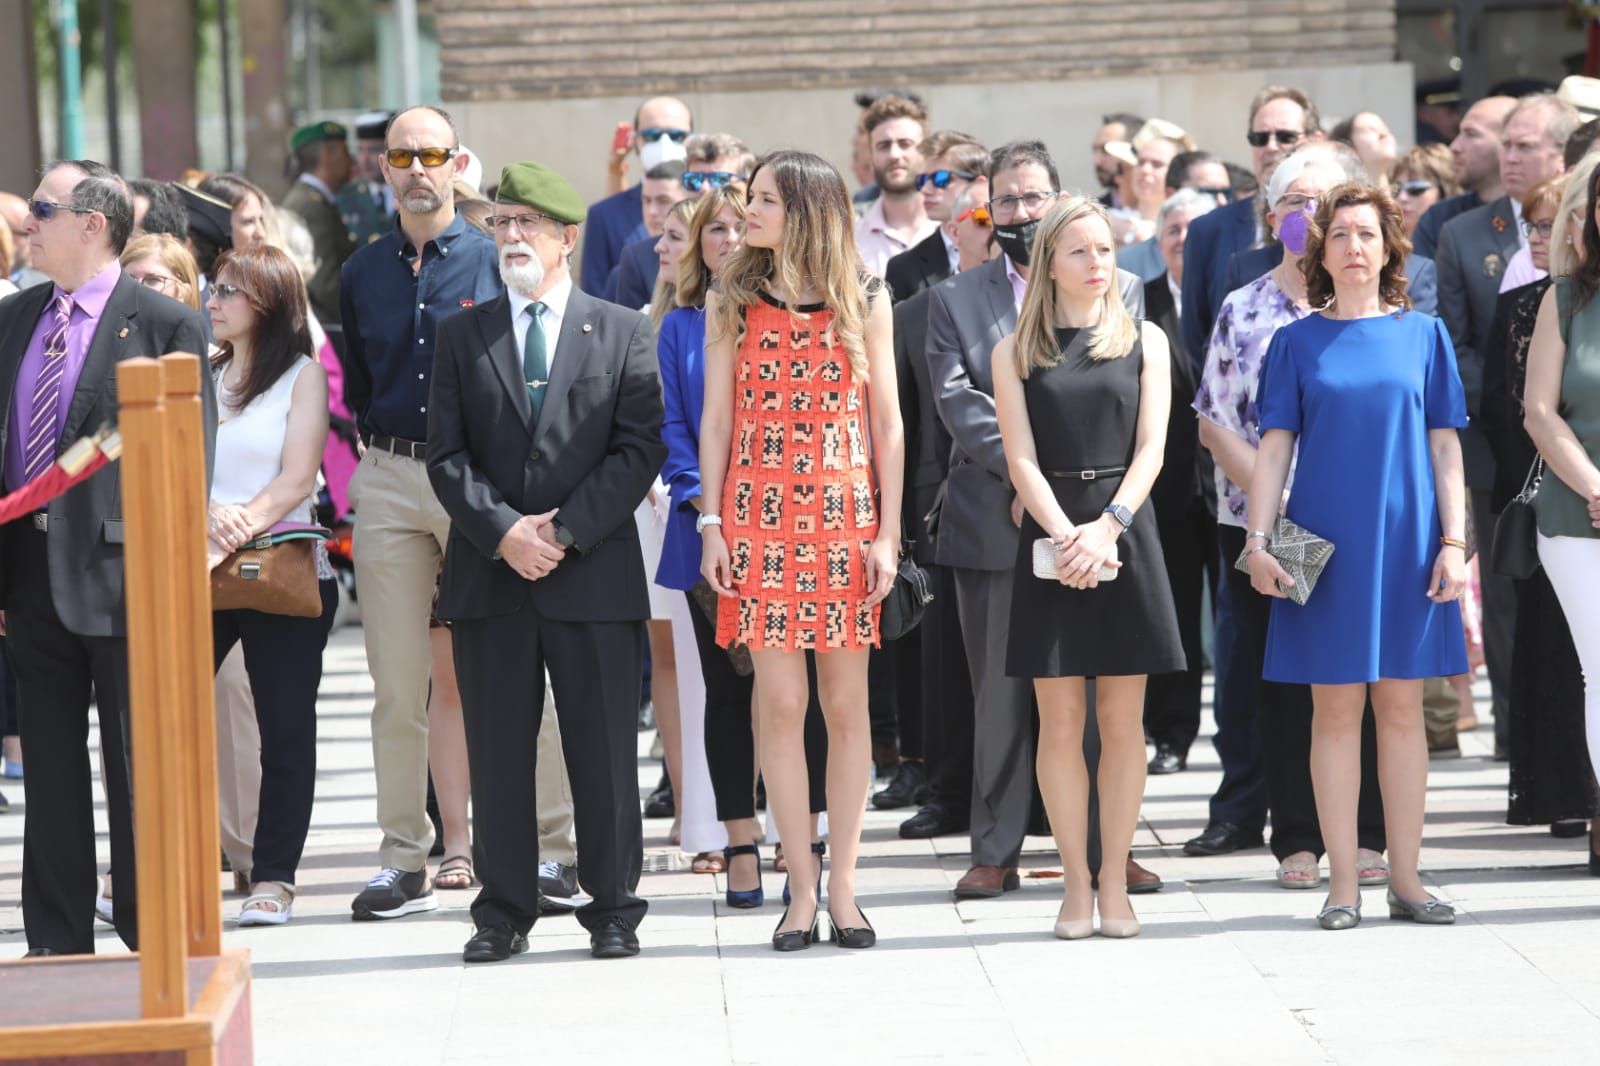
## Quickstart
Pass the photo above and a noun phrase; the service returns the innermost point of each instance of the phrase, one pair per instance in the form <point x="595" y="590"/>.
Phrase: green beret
<point x="316" y="131"/>
<point x="537" y="186"/>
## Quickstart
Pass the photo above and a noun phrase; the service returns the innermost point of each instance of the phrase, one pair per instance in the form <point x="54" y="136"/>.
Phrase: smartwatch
<point x="1123" y="516"/>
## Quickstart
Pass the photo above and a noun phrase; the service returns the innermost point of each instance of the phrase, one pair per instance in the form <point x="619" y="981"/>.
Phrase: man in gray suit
<point x="1473" y="251"/>
<point x="967" y="316"/>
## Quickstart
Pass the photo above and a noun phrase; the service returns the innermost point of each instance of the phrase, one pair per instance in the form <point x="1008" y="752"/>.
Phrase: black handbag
<point x="907" y="600"/>
<point x="1515" y="552"/>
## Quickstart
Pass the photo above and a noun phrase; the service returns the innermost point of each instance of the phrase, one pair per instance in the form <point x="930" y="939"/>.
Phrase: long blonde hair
<point x="174" y="256"/>
<point x="1035" y="345"/>
<point x="694" y="277"/>
<point x="1574" y="201"/>
<point x="819" y="246"/>
<point x="665" y="296"/>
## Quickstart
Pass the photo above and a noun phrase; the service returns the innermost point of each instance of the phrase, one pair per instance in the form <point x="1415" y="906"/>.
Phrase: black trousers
<point x="947" y="721"/>
<point x="55" y="669"/>
<point x="283" y="659"/>
<point x="1172" y="701"/>
<point x="729" y="729"/>
<point x="905" y="655"/>
<point x="883" y="695"/>
<point x="1284" y="721"/>
<point x="596" y="671"/>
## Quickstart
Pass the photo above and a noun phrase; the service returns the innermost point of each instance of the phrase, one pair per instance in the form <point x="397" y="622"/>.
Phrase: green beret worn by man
<point x="322" y="157"/>
<point x="544" y="434"/>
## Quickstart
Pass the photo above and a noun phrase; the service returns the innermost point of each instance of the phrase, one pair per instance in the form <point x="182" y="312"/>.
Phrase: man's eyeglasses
<point x="45" y="210"/>
<point x="941" y="179"/>
<point x="1420" y="187"/>
<point x="652" y="134"/>
<point x="1260" y="138"/>
<point x="400" y="158"/>
<point x="979" y="216"/>
<point x="1543" y="229"/>
<point x="695" y="180"/>
<point x="1005" y="208"/>
<point x="157" y="282"/>
<point x="523" y="223"/>
<point x="1222" y="192"/>
<point x="224" y="291"/>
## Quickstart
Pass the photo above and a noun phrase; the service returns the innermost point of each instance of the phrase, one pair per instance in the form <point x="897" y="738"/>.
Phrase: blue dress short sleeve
<point x="1444" y="398"/>
<point x="1278" y="388"/>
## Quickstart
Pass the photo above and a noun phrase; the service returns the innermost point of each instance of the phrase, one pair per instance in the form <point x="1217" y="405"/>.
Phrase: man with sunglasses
<point x="393" y="293"/>
<point x="660" y="127"/>
<point x="953" y="164"/>
<point x="61" y="570"/>
<point x="322" y="155"/>
<point x="896" y="220"/>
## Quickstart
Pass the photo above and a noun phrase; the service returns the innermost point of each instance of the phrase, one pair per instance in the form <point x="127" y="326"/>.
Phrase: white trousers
<point x="1573" y="564"/>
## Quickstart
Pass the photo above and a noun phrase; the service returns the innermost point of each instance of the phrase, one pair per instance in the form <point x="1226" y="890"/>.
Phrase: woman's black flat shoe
<point x="795" y="939"/>
<point x="862" y="937"/>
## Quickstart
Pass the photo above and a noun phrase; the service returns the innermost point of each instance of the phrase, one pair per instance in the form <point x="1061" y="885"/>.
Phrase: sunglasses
<point x="652" y="134"/>
<point x="1416" y="188"/>
<point x="1260" y="139"/>
<point x="1220" y="192"/>
<point x="400" y="158"/>
<point x="979" y="215"/>
<point x="224" y="291"/>
<point x="941" y="179"/>
<point x="695" y="180"/>
<point x="45" y="210"/>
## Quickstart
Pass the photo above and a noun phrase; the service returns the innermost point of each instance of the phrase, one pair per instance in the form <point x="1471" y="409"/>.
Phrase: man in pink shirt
<point x="896" y="220"/>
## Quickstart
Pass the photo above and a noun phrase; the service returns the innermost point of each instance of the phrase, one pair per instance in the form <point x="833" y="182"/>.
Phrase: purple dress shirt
<point x="88" y="303"/>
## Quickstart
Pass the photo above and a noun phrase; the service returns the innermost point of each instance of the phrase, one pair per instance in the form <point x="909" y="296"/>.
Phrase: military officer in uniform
<point x="323" y="158"/>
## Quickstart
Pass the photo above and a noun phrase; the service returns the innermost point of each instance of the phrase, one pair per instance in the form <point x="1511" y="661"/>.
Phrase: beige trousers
<point x="1440" y="709"/>
<point x="238" y="760"/>
<point x="552" y="789"/>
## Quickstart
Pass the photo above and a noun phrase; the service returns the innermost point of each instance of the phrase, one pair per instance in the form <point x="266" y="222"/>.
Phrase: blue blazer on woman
<point x="681" y="349"/>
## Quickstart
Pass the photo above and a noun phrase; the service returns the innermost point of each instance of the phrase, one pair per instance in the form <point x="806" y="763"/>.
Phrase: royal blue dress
<point x="1362" y="396"/>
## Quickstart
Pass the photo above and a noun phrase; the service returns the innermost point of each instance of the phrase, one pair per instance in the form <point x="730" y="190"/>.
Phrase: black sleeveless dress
<point x="1084" y="414"/>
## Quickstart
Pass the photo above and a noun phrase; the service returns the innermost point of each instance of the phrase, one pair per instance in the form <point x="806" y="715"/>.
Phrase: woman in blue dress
<point x="1370" y="389"/>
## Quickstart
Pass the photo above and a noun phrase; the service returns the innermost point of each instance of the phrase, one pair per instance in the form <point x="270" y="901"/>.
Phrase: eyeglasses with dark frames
<point x="523" y="223"/>
<point x="1260" y="138"/>
<point x="1543" y="229"/>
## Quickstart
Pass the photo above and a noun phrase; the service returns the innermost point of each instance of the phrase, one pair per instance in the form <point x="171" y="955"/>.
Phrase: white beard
<point x="523" y="280"/>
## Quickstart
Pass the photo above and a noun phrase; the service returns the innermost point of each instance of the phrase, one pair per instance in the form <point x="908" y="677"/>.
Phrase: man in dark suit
<point x="660" y="127"/>
<point x="967" y="316"/>
<point x="61" y="578"/>
<point x="1475" y="156"/>
<point x="953" y="164"/>
<point x="544" y="433"/>
<point x="1280" y="118"/>
<point x="1474" y="249"/>
<point x="323" y="156"/>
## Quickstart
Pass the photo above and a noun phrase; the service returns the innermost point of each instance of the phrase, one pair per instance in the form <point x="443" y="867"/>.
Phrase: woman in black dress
<point x="1082" y="393"/>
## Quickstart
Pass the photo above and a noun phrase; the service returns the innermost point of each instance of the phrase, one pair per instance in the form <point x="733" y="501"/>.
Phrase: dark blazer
<point x="923" y="264"/>
<point x="967" y="316"/>
<point x="86" y="533"/>
<point x="1474" y="248"/>
<point x="593" y="454"/>
<point x="927" y="441"/>
<point x="1250" y="264"/>
<point x="1213" y="239"/>
<point x="1425" y="241"/>
<point x="609" y="225"/>
<point x="1180" y="480"/>
<point x="632" y="283"/>
<point x="333" y="245"/>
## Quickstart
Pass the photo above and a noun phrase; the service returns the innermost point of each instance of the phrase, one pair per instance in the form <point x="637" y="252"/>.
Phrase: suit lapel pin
<point x="1499" y="224"/>
<point x="587" y="327"/>
<point x="1493" y="264"/>
<point x="124" y="334"/>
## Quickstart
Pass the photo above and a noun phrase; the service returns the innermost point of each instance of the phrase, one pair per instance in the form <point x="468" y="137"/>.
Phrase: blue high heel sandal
<point x="819" y="849"/>
<point x="756" y="896"/>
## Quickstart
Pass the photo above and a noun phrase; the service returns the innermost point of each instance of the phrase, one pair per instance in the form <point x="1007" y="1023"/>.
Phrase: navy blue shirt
<point x="391" y="317"/>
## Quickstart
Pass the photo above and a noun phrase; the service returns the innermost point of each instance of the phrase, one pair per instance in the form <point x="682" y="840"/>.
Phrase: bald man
<point x="1475" y="152"/>
<point x="15" y="211"/>
<point x="660" y="127"/>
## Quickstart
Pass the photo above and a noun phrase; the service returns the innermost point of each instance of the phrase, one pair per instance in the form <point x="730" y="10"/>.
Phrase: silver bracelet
<point x="1263" y="534"/>
<point x="1251" y="551"/>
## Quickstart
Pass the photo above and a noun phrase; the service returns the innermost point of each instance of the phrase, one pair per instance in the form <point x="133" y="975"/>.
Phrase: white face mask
<point x="661" y="150"/>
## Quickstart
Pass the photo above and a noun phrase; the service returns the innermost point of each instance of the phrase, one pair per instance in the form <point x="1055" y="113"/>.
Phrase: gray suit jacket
<point x="1474" y="248"/>
<point x="967" y="316"/>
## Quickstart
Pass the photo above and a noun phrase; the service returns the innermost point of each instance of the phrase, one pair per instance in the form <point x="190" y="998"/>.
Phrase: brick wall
<point x="558" y="49"/>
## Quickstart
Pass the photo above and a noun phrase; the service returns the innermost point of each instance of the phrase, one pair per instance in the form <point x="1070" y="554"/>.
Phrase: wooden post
<point x="154" y="691"/>
<point x="186" y="481"/>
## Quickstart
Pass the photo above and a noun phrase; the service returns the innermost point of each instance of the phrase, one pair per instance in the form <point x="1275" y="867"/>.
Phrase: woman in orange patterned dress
<point x="806" y="460"/>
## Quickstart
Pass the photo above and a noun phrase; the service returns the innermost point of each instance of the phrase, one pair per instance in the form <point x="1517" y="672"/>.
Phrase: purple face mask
<point x="1292" y="231"/>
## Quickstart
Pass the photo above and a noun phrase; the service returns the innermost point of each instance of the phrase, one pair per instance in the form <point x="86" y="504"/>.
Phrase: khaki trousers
<point x="238" y="760"/>
<point x="552" y="791"/>
<point x="1440" y="709"/>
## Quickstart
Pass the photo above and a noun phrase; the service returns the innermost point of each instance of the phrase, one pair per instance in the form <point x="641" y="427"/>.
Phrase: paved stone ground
<point x="1229" y="969"/>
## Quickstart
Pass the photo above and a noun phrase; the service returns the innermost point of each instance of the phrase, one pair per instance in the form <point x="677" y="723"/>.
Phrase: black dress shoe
<point x="1569" y="828"/>
<point x="494" y="943"/>
<point x="1168" y="760"/>
<point x="934" y="820"/>
<point x="614" y="940"/>
<point x="39" y="953"/>
<point x="902" y="790"/>
<point x="661" y="803"/>
<point x="1220" y="838"/>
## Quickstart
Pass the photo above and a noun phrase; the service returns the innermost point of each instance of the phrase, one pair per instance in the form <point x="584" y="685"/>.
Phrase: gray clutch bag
<point x="1044" y="562"/>
<point x="1300" y="552"/>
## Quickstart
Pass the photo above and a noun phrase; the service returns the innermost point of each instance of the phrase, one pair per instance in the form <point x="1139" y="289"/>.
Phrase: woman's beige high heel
<point x="1118" y="928"/>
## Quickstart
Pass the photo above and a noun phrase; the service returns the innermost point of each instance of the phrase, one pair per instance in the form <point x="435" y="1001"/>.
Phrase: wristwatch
<point x="1123" y="516"/>
<point x="564" y="535"/>
<point x="705" y="520"/>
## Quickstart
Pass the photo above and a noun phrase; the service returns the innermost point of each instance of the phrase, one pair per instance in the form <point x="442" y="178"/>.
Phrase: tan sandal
<point x="709" y="862"/>
<point x="455" y="873"/>
<point x="1299" y="873"/>
<point x="270" y="903"/>
<point x="1371" y="869"/>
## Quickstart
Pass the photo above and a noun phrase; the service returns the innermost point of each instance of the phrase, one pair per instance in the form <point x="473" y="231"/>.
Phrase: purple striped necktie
<point x="44" y="427"/>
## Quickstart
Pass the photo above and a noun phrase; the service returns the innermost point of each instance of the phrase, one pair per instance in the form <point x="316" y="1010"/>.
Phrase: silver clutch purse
<point x="1044" y="563"/>
<point x="1300" y="552"/>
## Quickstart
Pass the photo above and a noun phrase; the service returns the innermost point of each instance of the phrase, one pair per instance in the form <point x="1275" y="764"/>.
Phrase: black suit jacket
<point x="86" y="534"/>
<point x="593" y="454"/>
<point x="927" y="441"/>
<point x="632" y="282"/>
<point x="924" y="264"/>
<point x="1181" y="478"/>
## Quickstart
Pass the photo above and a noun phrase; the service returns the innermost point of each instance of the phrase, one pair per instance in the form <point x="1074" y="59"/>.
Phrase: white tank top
<point x="250" y="443"/>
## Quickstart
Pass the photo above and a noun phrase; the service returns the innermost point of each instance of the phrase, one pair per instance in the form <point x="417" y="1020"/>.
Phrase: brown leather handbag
<point x="275" y="574"/>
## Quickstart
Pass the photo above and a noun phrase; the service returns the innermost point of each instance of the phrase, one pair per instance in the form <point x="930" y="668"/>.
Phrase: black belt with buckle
<point x="411" y="449"/>
<point x="1094" y="473"/>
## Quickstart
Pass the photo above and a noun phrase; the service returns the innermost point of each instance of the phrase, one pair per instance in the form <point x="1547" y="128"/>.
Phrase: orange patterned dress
<point x="798" y="503"/>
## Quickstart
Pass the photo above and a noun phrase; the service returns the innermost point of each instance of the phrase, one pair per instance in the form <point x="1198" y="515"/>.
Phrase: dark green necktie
<point x="535" y="360"/>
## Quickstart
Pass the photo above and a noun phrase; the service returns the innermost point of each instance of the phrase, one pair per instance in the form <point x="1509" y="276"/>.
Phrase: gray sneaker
<point x="558" y="888"/>
<point x="394" y="893"/>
